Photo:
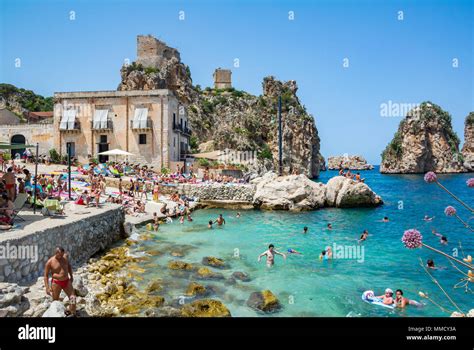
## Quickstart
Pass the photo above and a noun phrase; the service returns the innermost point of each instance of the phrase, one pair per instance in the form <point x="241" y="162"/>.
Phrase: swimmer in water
<point x="329" y="227"/>
<point x="364" y="236"/>
<point x="238" y="215"/>
<point x="385" y="219"/>
<point x="430" y="264"/>
<point x="305" y="229"/>
<point x="181" y="219"/>
<point x="210" y="223"/>
<point x="270" y="254"/>
<point x="292" y="251"/>
<point x="387" y="298"/>
<point x="443" y="239"/>
<point x="190" y="218"/>
<point x="220" y="220"/>
<point x="427" y="218"/>
<point x="401" y="301"/>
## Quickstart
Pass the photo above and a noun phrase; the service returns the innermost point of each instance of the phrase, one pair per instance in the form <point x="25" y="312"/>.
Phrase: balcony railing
<point x="140" y="125"/>
<point x="181" y="129"/>
<point x="100" y="126"/>
<point x="66" y="128"/>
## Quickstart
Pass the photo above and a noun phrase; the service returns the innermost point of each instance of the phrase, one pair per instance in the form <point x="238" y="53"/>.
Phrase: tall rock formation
<point x="468" y="147"/>
<point x="425" y="141"/>
<point x="228" y="118"/>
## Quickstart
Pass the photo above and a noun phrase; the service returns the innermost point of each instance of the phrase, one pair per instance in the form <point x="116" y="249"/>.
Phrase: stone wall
<point x="81" y="239"/>
<point x="219" y="192"/>
<point x="43" y="134"/>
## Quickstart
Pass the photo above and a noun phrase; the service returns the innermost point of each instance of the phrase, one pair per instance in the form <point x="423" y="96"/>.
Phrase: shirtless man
<point x="270" y="253"/>
<point x="62" y="278"/>
<point x="364" y="236"/>
<point x="10" y="182"/>
<point x="400" y="300"/>
<point x="220" y="220"/>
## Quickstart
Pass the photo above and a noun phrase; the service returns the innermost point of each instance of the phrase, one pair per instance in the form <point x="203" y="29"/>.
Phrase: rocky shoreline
<point x="355" y="162"/>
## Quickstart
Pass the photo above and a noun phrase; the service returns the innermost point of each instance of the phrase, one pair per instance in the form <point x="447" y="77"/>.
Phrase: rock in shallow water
<point x="205" y="308"/>
<point x="264" y="301"/>
<point x="343" y="192"/>
<point x="214" y="262"/>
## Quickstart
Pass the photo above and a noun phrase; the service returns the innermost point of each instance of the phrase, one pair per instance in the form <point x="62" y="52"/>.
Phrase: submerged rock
<point x="343" y="192"/>
<point x="241" y="276"/>
<point x="196" y="289"/>
<point x="205" y="273"/>
<point x="214" y="262"/>
<point x="179" y="265"/>
<point x="264" y="301"/>
<point x="154" y="286"/>
<point x="205" y="308"/>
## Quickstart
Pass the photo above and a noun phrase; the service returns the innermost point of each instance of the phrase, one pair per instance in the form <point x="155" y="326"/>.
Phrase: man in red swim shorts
<point x="62" y="278"/>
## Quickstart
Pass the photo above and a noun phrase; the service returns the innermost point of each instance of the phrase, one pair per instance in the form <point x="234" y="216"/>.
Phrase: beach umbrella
<point x="115" y="152"/>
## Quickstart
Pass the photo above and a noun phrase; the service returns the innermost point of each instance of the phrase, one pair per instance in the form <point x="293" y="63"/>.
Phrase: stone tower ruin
<point x="151" y="52"/>
<point x="222" y="78"/>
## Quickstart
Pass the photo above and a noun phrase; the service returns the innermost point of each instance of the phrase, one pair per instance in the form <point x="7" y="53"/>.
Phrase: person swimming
<point x="385" y="219"/>
<point x="323" y="256"/>
<point x="238" y="215"/>
<point x="209" y="224"/>
<point x="292" y="251"/>
<point x="305" y="229"/>
<point x="387" y="298"/>
<point x="401" y="301"/>
<point x="430" y="264"/>
<point x="270" y="254"/>
<point x="427" y="218"/>
<point x="442" y="239"/>
<point x="363" y="236"/>
<point x="329" y="226"/>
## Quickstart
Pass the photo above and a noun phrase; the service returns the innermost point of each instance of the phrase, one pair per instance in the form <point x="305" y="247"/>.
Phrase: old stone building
<point x="151" y="124"/>
<point x="222" y="78"/>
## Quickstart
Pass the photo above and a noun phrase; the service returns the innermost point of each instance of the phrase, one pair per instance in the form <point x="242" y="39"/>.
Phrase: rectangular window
<point x="100" y="118"/>
<point x="103" y="138"/>
<point x="142" y="139"/>
<point x="140" y="118"/>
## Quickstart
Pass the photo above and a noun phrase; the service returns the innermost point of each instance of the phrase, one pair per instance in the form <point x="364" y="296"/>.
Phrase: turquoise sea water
<point x="307" y="286"/>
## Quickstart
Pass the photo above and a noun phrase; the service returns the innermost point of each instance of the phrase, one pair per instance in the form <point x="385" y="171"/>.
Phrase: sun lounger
<point x="19" y="203"/>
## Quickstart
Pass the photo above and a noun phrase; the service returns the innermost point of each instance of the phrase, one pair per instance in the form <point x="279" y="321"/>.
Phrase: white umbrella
<point x="115" y="152"/>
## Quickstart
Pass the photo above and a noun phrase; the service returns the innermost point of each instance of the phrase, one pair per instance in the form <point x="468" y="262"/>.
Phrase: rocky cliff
<point x="468" y="147"/>
<point x="20" y="101"/>
<point x="349" y="162"/>
<point x="425" y="141"/>
<point x="229" y="118"/>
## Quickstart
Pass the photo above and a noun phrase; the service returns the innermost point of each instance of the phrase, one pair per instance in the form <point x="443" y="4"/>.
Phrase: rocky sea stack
<point x="425" y="141"/>
<point x="468" y="147"/>
<point x="228" y="118"/>
<point x="349" y="162"/>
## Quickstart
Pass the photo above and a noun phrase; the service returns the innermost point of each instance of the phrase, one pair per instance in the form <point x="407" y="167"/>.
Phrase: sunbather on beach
<point x="270" y="254"/>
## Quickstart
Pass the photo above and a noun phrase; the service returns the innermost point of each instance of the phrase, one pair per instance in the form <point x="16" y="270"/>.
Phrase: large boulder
<point x="205" y="308"/>
<point x="264" y="301"/>
<point x="291" y="192"/>
<point x="214" y="262"/>
<point x="355" y="162"/>
<point x="343" y="192"/>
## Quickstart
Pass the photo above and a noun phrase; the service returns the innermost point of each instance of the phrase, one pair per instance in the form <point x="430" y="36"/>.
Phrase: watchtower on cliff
<point x="151" y="52"/>
<point x="222" y="78"/>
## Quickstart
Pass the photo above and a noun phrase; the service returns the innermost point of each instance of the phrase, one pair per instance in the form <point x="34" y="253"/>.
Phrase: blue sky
<point x="403" y="61"/>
